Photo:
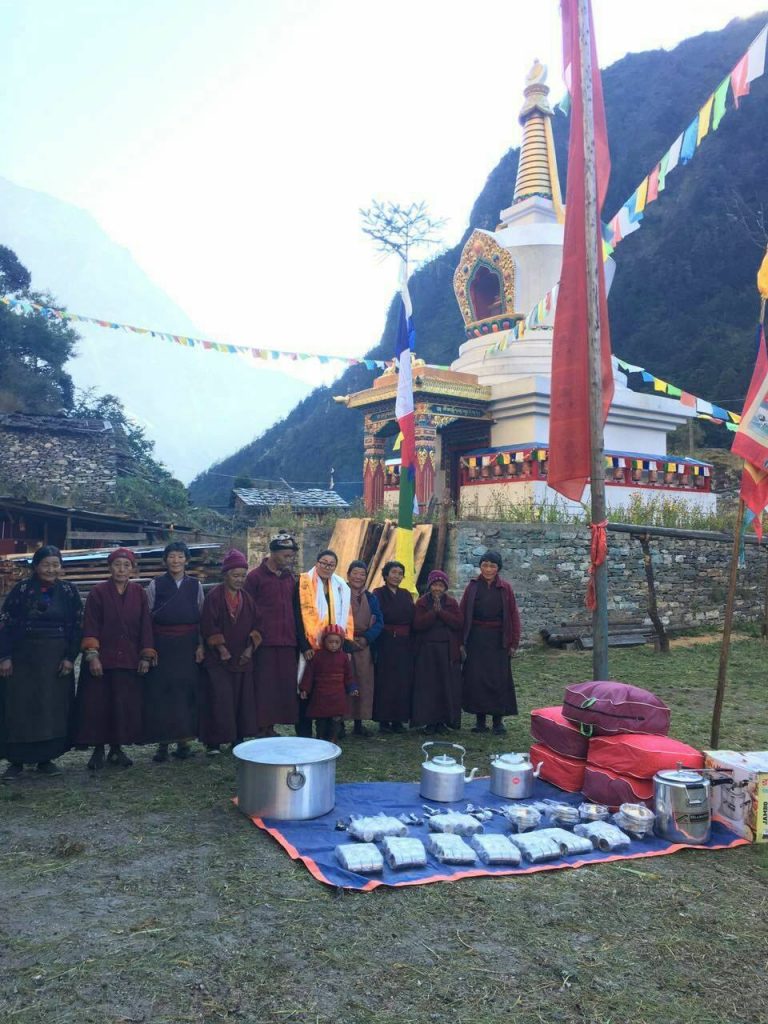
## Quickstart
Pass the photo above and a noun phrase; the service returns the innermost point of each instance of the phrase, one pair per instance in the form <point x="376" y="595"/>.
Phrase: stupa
<point x="482" y="427"/>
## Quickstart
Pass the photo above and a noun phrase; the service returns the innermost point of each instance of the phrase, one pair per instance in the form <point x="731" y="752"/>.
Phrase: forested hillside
<point x="683" y="302"/>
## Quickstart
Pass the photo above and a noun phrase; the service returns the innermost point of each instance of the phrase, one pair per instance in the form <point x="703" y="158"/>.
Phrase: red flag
<point x="739" y="82"/>
<point x="751" y="439"/>
<point x="569" y="431"/>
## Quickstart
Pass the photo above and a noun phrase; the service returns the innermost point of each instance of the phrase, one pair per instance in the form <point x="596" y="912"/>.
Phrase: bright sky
<point x="228" y="144"/>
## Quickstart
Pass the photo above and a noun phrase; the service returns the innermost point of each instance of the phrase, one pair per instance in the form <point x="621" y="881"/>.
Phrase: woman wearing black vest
<point x="171" y="688"/>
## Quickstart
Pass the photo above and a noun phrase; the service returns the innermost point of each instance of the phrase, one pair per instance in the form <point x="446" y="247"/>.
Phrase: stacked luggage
<point x="607" y="741"/>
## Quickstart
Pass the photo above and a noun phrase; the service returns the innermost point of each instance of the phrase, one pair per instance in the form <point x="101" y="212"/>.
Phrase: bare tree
<point x="400" y="229"/>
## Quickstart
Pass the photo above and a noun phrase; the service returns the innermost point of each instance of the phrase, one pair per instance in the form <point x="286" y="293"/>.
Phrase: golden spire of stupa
<point x="537" y="169"/>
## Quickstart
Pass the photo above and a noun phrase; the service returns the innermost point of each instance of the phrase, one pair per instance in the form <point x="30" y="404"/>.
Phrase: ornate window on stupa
<point x="484" y="285"/>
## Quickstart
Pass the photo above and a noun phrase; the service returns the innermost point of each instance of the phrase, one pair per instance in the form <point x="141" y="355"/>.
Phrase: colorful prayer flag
<point x="718" y="109"/>
<point x="751" y="440"/>
<point x="404" y="345"/>
<point x="570" y="449"/>
<point x="705" y="115"/>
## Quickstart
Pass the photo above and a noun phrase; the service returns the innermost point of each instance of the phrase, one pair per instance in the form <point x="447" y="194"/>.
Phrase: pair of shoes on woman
<point x="48" y="768"/>
<point x="118" y="758"/>
<point x="96" y="759"/>
<point x="359" y="729"/>
<point x="183" y="751"/>
<point x="161" y="754"/>
<point x="212" y="749"/>
<point x="13" y="771"/>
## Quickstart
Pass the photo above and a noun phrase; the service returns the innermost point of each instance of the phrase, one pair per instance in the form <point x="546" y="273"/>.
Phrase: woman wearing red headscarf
<point x="437" y="625"/>
<point x="117" y="652"/>
<point x="228" y="629"/>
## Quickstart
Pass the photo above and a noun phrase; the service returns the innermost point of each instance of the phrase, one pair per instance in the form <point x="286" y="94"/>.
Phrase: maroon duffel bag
<point x="550" y="727"/>
<point x="604" y="708"/>
<point x="602" y="786"/>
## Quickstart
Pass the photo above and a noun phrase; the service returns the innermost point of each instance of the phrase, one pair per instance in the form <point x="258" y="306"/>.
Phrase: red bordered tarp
<point x="314" y="842"/>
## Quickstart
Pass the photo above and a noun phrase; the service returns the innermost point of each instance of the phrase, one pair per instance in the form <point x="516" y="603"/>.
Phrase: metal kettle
<point x="512" y="775"/>
<point x="442" y="777"/>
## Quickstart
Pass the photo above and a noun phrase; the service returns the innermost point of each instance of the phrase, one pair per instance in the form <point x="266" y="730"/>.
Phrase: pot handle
<point x="443" y="743"/>
<point x="295" y="778"/>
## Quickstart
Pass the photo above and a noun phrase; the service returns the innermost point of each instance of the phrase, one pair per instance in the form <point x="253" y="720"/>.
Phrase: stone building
<point x="61" y="460"/>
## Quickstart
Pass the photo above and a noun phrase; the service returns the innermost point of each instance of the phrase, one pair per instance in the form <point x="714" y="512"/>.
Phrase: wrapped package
<point x="364" y="858"/>
<point x="561" y="814"/>
<point x="537" y="846"/>
<point x="374" y="828"/>
<point x="635" y="819"/>
<point x="567" y="841"/>
<point x="495" y="849"/>
<point x="450" y="849"/>
<point x="521" y="817"/>
<point x="593" y="812"/>
<point x="455" y="823"/>
<point x="403" y="853"/>
<point x="604" y="836"/>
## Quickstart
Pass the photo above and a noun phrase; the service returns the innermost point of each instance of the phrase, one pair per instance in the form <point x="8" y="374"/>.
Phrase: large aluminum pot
<point x="681" y="804"/>
<point x="290" y="778"/>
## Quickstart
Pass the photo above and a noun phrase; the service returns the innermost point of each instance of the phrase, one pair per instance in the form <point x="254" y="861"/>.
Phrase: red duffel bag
<point x="603" y="708"/>
<point x="602" y="786"/>
<point x="548" y="726"/>
<point x="642" y="756"/>
<point x="564" y="772"/>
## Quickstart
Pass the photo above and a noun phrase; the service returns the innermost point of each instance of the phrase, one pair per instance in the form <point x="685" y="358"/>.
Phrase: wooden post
<point x="662" y="640"/>
<point x="765" y="604"/>
<point x="592" y="235"/>
<point x="442" y="529"/>
<point x="727" y="624"/>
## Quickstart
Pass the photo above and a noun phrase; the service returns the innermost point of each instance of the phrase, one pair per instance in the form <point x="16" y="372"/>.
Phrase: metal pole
<point x="592" y="237"/>
<point x="727" y="624"/>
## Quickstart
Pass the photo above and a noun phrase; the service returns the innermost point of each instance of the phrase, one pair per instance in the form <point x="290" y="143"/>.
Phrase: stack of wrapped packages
<point x="607" y="741"/>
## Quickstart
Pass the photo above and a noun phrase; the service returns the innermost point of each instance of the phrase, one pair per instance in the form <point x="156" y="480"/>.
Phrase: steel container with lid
<point x="681" y="804"/>
<point x="291" y="778"/>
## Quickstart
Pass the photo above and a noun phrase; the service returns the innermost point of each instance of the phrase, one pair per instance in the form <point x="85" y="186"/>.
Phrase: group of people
<point x="167" y="664"/>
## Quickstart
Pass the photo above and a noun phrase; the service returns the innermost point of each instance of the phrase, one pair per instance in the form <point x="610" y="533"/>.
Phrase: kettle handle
<point x="444" y="743"/>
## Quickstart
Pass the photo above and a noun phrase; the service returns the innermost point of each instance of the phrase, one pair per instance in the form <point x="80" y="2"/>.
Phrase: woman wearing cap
<point x="171" y="688"/>
<point x="118" y="649"/>
<point x="491" y="636"/>
<point x="438" y="625"/>
<point x="271" y="587"/>
<point x="394" y="653"/>
<point x="39" y="641"/>
<point x="228" y="628"/>
<point x="368" y="620"/>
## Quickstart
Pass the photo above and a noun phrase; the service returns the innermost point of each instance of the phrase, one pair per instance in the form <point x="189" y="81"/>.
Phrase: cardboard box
<point x="742" y="806"/>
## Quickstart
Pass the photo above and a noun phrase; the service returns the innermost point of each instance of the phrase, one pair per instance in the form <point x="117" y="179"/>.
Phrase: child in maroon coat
<point x="326" y="684"/>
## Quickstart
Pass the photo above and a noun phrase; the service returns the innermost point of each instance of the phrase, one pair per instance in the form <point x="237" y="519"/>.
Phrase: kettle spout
<point x="472" y="774"/>
<point x="537" y="771"/>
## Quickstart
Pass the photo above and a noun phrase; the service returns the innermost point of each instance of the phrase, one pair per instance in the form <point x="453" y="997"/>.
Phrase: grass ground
<point x="143" y="896"/>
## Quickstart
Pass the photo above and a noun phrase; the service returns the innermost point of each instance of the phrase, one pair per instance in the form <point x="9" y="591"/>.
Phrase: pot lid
<point x="684" y="775"/>
<point x="286" y="750"/>
<point x="516" y="760"/>
<point x="443" y="763"/>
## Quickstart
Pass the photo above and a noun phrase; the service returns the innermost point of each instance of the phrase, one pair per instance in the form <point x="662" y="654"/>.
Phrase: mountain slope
<point x="70" y="256"/>
<point x="683" y="301"/>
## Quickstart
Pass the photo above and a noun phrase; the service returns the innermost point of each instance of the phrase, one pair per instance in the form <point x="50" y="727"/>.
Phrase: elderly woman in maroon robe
<point x="39" y="641"/>
<point x="118" y="649"/>
<point x="228" y="628"/>
<point x="438" y="626"/>
<point x="368" y="621"/>
<point x="271" y="586"/>
<point x="394" y="653"/>
<point x="172" y="687"/>
<point x="491" y="636"/>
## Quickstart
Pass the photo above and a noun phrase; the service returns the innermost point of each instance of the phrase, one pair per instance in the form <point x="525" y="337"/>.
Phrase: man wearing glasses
<point x="322" y="598"/>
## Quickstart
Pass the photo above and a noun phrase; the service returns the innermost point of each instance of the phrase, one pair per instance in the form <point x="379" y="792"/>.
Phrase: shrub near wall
<point x="547" y="567"/>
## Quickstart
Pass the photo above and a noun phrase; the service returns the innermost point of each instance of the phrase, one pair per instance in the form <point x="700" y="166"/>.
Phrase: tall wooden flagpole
<point x="727" y="626"/>
<point x="592" y="236"/>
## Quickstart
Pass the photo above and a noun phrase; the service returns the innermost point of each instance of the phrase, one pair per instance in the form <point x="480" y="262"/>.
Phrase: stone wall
<point x="547" y="567"/>
<point x="59" y="466"/>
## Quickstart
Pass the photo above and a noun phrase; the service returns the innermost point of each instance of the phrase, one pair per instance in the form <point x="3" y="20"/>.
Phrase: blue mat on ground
<point x="314" y="842"/>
